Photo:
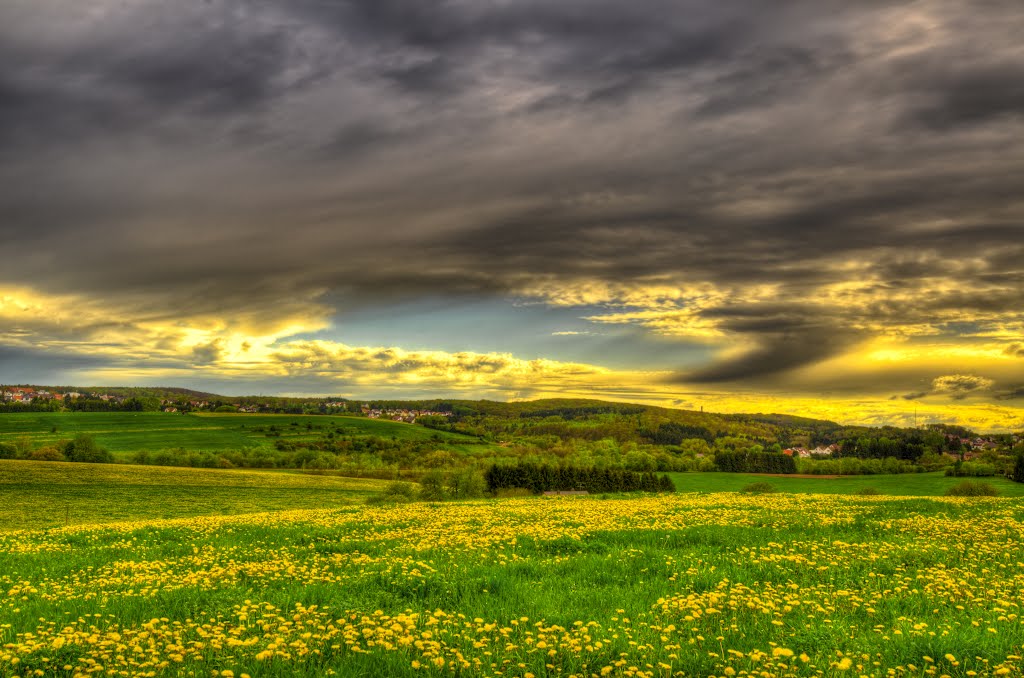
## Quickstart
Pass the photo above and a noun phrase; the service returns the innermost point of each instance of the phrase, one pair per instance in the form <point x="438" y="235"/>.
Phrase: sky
<point x="813" y="207"/>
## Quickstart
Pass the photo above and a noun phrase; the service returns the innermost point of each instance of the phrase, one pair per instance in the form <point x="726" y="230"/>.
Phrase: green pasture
<point x="904" y="484"/>
<point x="47" y="494"/>
<point x="126" y="432"/>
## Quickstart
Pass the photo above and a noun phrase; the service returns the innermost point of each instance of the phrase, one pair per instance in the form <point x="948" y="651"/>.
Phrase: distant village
<point x="19" y="394"/>
<point x="402" y="415"/>
<point x="970" y="447"/>
<point x="408" y="416"/>
<point x="804" y="453"/>
<point x="27" y="395"/>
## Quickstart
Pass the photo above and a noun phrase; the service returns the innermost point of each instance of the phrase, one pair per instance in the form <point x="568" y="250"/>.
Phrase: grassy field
<point x="684" y="585"/>
<point x="47" y="494"/>
<point x="125" y="432"/>
<point x="906" y="484"/>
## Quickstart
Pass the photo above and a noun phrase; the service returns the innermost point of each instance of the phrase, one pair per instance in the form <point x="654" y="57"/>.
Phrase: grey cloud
<point x="910" y="396"/>
<point x="236" y="156"/>
<point x="987" y="93"/>
<point x="960" y="385"/>
<point x="789" y="336"/>
<point x="207" y="353"/>
<point x="1015" y="392"/>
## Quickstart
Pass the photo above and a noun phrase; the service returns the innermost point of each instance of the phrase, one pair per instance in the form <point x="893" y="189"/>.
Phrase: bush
<point x="466" y="484"/>
<point x="47" y="454"/>
<point x="85" y="450"/>
<point x="8" y="451"/>
<point x="868" y="491"/>
<point x="759" y="488"/>
<point x="972" y="488"/>
<point x="432" y="486"/>
<point x="401" y="491"/>
<point x="394" y="493"/>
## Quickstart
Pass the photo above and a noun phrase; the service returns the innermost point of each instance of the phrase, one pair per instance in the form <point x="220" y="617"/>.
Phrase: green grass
<point x="906" y="484"/>
<point x="126" y="432"/>
<point x="706" y="585"/>
<point x="49" y="494"/>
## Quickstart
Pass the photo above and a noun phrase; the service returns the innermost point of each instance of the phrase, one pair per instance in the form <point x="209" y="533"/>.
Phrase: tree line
<point x="540" y="478"/>
<point x="746" y="461"/>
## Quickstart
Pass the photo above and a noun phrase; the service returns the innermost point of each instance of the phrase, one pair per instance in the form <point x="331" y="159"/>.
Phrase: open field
<point x="695" y="585"/>
<point x="126" y="432"/>
<point x="904" y="484"/>
<point x="46" y="494"/>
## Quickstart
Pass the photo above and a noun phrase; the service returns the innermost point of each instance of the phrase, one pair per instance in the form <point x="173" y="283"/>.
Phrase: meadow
<point x="124" y="433"/>
<point x="48" y="494"/>
<point x="673" y="585"/>
<point x="903" y="484"/>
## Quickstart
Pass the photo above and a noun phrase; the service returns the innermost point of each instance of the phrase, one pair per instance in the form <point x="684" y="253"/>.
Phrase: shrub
<point x="759" y="488"/>
<point x="8" y="451"/>
<point x="432" y="486"/>
<point x="84" y="449"/>
<point x="466" y="484"/>
<point x="394" y="493"/>
<point x="868" y="491"/>
<point x="400" y="490"/>
<point x="47" y="454"/>
<point x="972" y="488"/>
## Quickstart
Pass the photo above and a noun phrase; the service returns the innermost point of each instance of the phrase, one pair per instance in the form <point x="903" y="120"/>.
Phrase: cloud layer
<point x="796" y="185"/>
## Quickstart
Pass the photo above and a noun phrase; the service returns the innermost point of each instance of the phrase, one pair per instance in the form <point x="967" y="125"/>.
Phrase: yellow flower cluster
<point x="708" y="585"/>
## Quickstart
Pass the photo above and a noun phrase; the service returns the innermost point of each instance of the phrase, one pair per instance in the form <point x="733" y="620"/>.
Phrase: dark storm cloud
<point x="911" y="396"/>
<point x="956" y="97"/>
<point x="789" y="336"/>
<point x="237" y="155"/>
<point x="1014" y="393"/>
<point x="16" y="361"/>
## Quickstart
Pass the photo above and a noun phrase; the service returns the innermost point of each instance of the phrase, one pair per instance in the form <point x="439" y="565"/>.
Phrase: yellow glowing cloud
<point x="943" y="380"/>
<point x="129" y="329"/>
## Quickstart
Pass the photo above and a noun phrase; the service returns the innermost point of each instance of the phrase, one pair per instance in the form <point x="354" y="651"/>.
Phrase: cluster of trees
<point x="910" y="447"/>
<point x="747" y="461"/>
<point x="90" y="404"/>
<point x="82" y="448"/>
<point x="569" y="413"/>
<point x="539" y="478"/>
<point x="971" y="469"/>
<point x="673" y="433"/>
<point x="852" y="466"/>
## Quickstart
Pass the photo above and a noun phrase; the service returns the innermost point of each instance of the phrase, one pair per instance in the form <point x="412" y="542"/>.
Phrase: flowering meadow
<point x="678" y="585"/>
